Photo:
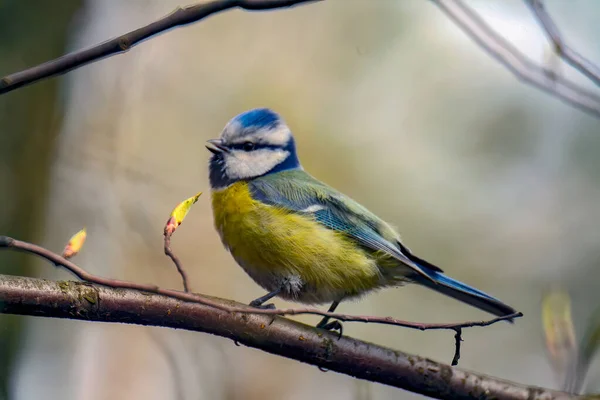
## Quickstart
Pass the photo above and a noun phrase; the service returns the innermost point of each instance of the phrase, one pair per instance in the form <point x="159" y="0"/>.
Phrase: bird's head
<point x="252" y="144"/>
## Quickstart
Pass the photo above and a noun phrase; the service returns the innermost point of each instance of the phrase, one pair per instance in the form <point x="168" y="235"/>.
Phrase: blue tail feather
<point x="446" y="280"/>
<point x="466" y="294"/>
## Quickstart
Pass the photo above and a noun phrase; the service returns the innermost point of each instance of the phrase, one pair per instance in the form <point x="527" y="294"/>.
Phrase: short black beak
<point x="216" y="146"/>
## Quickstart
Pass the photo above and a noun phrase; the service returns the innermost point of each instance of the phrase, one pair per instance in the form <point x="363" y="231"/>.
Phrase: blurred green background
<point x="390" y="103"/>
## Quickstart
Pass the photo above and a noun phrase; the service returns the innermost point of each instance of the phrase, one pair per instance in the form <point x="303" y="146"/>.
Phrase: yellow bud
<point x="75" y="244"/>
<point x="179" y="212"/>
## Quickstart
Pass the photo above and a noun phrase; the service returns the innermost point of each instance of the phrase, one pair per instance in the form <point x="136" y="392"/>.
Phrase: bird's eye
<point x="248" y="146"/>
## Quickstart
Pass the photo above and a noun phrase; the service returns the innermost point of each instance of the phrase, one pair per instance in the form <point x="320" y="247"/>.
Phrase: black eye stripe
<point x="242" y="146"/>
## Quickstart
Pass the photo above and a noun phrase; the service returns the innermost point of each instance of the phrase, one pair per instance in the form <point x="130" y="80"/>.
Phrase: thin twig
<point x="279" y="336"/>
<point x="573" y="58"/>
<point x="176" y="261"/>
<point x="516" y="62"/>
<point x="457" y="341"/>
<point x="7" y="242"/>
<point x="122" y="44"/>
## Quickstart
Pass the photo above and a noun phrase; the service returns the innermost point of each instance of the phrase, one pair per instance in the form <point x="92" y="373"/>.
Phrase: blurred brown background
<point x="390" y="103"/>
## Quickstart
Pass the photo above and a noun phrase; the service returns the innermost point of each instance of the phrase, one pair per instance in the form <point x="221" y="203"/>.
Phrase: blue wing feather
<point x="338" y="212"/>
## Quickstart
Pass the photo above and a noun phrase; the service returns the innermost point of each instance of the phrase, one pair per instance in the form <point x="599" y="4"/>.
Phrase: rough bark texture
<point x="77" y="300"/>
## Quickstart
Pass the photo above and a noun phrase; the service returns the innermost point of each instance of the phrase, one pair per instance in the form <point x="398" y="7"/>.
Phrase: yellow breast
<point x="272" y="244"/>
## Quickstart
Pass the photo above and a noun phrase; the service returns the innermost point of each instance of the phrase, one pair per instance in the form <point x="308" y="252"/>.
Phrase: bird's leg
<point x="324" y="321"/>
<point x="333" y="325"/>
<point x="258" y="303"/>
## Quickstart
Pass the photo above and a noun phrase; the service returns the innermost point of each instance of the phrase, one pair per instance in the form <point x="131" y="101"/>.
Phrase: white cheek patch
<point x="244" y="165"/>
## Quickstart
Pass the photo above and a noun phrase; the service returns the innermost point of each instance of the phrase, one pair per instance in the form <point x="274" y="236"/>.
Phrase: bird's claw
<point x="269" y="306"/>
<point x="333" y="326"/>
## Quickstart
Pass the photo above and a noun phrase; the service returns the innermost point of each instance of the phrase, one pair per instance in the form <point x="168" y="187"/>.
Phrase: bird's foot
<point x="261" y="306"/>
<point x="333" y="326"/>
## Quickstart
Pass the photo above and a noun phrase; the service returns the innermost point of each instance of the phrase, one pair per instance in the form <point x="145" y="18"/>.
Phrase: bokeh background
<point x="390" y="103"/>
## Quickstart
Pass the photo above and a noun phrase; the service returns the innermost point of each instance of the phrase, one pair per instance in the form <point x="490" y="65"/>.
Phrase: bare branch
<point x="122" y="44"/>
<point x="471" y="23"/>
<point x="515" y="61"/>
<point x="276" y="335"/>
<point x="565" y="52"/>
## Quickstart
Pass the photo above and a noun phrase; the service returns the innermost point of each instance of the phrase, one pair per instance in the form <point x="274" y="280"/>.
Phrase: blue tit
<point x="299" y="238"/>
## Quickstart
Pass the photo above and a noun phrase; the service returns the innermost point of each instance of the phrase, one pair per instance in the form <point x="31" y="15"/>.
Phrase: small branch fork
<point x="474" y="26"/>
<point x="570" y="56"/>
<point x="122" y="44"/>
<point x="59" y="261"/>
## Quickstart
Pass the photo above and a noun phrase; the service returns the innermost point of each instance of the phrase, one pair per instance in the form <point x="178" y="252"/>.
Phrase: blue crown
<point x="258" y="118"/>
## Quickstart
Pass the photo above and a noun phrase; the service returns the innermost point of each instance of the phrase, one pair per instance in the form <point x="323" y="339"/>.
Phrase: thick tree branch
<point x="276" y="335"/>
<point x="516" y="62"/>
<point x="121" y="44"/>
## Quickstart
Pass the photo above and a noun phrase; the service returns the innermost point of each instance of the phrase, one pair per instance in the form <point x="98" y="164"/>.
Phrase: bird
<point x="302" y="240"/>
